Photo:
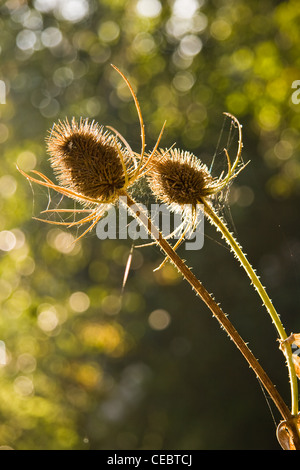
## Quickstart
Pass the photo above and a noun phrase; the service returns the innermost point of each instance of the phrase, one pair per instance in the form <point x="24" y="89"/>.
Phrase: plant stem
<point x="217" y="312"/>
<point x="235" y="247"/>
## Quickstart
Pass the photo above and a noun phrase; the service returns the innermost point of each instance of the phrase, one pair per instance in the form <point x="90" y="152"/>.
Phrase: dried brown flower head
<point x="93" y="166"/>
<point x="88" y="160"/>
<point x="178" y="177"/>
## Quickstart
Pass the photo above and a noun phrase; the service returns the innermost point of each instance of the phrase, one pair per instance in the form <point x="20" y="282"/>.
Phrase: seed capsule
<point x="87" y="159"/>
<point x="179" y="178"/>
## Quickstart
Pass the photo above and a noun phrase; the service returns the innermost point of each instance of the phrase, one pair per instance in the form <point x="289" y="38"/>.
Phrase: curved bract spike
<point x="122" y="163"/>
<point x="129" y="149"/>
<point x="41" y="175"/>
<point x="152" y="154"/>
<point x="139" y="112"/>
<point x="239" y="151"/>
<point x="49" y="184"/>
<point x="89" y="228"/>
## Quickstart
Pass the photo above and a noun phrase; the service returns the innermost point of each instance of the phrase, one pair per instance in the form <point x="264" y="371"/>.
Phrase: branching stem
<point x="219" y="314"/>
<point x="235" y="247"/>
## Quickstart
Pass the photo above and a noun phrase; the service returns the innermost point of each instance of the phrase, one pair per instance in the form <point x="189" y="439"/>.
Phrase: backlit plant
<point x="96" y="167"/>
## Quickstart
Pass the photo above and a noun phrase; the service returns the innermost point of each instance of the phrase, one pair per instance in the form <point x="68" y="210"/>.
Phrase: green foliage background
<point x="86" y="368"/>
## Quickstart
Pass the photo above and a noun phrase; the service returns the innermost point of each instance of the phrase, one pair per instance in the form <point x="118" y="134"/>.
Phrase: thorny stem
<point x="220" y="225"/>
<point x="218" y="313"/>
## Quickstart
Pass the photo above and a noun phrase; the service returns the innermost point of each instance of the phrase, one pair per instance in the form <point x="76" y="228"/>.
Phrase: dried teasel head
<point x="180" y="180"/>
<point x="178" y="177"/>
<point x="93" y="166"/>
<point x="88" y="160"/>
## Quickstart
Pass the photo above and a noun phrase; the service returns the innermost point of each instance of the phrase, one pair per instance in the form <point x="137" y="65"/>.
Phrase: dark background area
<point x="87" y="367"/>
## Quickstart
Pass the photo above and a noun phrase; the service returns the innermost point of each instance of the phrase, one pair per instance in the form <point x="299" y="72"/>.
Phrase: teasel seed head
<point x="177" y="178"/>
<point x="87" y="159"/>
<point x="94" y="166"/>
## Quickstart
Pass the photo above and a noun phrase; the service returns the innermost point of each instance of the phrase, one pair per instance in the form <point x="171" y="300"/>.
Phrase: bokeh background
<point x="90" y="367"/>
